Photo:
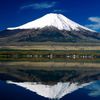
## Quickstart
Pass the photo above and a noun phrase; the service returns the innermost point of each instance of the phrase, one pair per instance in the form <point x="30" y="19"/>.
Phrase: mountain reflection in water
<point x="56" y="91"/>
<point x="53" y="80"/>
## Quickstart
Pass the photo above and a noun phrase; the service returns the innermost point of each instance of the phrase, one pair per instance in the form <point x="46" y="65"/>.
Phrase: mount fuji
<point x="56" y="20"/>
<point x="51" y="27"/>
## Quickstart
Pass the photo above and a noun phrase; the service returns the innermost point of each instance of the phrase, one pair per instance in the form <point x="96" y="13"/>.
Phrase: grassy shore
<point x="52" y="47"/>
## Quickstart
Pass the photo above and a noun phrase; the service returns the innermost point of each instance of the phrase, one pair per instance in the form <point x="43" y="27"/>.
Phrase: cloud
<point x="94" y="26"/>
<point x="94" y="19"/>
<point x="59" y="10"/>
<point x="43" y="5"/>
<point x="95" y="23"/>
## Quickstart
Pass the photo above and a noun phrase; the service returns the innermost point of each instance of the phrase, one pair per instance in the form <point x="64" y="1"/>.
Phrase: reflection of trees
<point x="81" y="75"/>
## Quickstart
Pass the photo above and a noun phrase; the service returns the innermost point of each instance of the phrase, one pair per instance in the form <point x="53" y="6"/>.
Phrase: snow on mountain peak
<point x="56" y="20"/>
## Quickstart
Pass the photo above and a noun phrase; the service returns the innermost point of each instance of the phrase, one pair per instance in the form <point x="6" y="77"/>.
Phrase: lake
<point x="50" y="76"/>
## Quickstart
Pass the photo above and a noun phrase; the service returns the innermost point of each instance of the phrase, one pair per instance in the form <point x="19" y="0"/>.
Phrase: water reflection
<point x="53" y="80"/>
<point x="94" y="89"/>
<point x="56" y="91"/>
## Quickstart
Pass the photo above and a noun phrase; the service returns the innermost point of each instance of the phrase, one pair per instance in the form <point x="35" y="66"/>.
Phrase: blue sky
<point x="17" y="12"/>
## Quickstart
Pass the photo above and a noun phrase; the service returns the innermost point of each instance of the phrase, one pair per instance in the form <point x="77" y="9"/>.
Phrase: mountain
<point x="51" y="27"/>
<point x="56" y="20"/>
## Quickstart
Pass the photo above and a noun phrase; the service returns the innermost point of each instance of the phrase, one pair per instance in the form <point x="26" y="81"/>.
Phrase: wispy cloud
<point x="59" y="10"/>
<point x="43" y="5"/>
<point x="95" y="23"/>
<point x="94" y="19"/>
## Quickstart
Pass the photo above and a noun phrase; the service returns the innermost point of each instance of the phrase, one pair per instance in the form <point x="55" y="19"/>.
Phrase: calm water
<point x="49" y="80"/>
<point x="13" y="92"/>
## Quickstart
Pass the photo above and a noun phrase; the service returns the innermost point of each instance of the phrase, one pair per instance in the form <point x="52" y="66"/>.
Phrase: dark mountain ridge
<point x="48" y="34"/>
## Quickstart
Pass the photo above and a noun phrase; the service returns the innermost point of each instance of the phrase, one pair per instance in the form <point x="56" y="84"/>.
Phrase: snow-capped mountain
<point x="56" y="91"/>
<point x="51" y="27"/>
<point x="56" y="20"/>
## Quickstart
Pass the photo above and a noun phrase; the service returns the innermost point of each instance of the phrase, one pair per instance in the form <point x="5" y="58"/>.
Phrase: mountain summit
<point x="56" y="20"/>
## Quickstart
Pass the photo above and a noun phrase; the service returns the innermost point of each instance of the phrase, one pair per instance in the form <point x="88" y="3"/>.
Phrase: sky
<point x="17" y="12"/>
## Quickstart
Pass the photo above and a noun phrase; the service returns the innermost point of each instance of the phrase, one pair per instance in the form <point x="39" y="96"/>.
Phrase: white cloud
<point x="94" y="26"/>
<point x="95" y="23"/>
<point x="43" y="5"/>
<point x="59" y="11"/>
<point x="94" y="19"/>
